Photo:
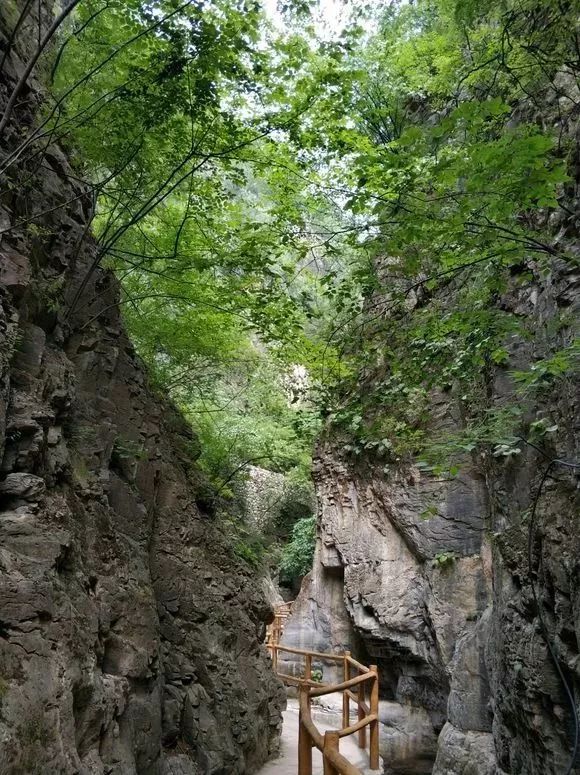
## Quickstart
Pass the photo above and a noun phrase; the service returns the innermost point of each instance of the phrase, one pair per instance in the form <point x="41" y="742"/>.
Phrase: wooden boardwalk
<point x="286" y="763"/>
<point x="311" y="749"/>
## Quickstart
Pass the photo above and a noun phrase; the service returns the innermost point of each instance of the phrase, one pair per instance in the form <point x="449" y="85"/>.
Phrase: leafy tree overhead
<point x="356" y="205"/>
<point x="451" y="185"/>
<point x="169" y="109"/>
<point x="298" y="554"/>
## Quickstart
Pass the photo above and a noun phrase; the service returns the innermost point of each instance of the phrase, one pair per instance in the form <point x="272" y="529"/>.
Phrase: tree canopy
<point x="276" y="201"/>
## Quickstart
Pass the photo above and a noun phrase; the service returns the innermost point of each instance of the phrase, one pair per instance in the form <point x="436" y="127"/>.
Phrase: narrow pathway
<point x="287" y="761"/>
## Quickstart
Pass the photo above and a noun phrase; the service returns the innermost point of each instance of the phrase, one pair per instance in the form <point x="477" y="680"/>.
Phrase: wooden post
<point x="374" y="725"/>
<point x="308" y="667"/>
<point x="330" y="744"/>
<point x="362" y="733"/>
<point x="304" y="742"/>
<point x="345" y="697"/>
<point x="275" y="657"/>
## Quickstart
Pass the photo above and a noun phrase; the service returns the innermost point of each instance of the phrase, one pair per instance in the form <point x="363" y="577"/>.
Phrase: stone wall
<point x="468" y="684"/>
<point x="262" y="494"/>
<point x="130" y="635"/>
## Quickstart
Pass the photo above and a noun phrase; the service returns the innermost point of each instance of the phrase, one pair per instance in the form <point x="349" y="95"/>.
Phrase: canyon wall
<point x="130" y="634"/>
<point x="428" y="576"/>
<point x="377" y="590"/>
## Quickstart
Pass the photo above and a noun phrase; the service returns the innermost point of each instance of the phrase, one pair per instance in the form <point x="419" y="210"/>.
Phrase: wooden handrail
<point x="276" y="627"/>
<point x="306" y="652"/>
<point x="337" y="760"/>
<point x="335" y="688"/>
<point x="367" y="713"/>
<point x="358" y="698"/>
<point x="354" y="663"/>
<point x="346" y="731"/>
<point x="292" y="679"/>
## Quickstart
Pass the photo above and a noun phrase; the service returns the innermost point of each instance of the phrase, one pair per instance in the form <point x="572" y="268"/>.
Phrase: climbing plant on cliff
<point x="178" y="115"/>
<point x="454" y="188"/>
<point x="298" y="554"/>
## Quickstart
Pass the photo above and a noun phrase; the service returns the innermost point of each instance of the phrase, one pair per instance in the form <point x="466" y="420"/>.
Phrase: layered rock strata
<point x="377" y="590"/>
<point x="430" y="579"/>
<point x="130" y="635"/>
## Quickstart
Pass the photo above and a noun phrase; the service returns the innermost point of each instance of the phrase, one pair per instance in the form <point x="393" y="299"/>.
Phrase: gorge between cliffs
<point x="289" y="311"/>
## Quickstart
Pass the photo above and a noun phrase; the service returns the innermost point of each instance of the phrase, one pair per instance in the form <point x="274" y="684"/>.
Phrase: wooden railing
<point x="353" y="689"/>
<point x="276" y="628"/>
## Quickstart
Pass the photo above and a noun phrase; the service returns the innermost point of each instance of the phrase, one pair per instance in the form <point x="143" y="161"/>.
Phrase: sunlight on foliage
<point x="355" y="207"/>
<point x="298" y="554"/>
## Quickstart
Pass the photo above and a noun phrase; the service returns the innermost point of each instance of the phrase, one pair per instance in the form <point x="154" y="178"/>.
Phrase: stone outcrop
<point x="262" y="494"/>
<point x="378" y="590"/>
<point x="430" y="579"/>
<point x="130" y="634"/>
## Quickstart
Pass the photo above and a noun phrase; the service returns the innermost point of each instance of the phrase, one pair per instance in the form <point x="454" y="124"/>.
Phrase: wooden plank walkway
<point x="287" y="761"/>
<point x="310" y="749"/>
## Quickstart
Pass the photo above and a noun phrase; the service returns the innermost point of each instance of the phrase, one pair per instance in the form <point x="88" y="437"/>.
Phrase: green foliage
<point x="297" y="502"/>
<point x="450" y="187"/>
<point x="357" y="207"/>
<point x="297" y="555"/>
<point x="172" y="112"/>
<point x="545" y="372"/>
<point x="428" y="512"/>
<point x="317" y="674"/>
<point x="444" y="560"/>
<point x="250" y="552"/>
<point x="242" y="414"/>
<point x="246" y="543"/>
<point x="491" y="428"/>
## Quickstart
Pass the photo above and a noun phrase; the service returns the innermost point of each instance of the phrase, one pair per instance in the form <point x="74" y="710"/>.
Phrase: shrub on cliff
<point x="298" y="554"/>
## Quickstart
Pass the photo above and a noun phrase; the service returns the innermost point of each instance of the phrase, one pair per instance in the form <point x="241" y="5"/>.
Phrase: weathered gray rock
<point x="262" y="494"/>
<point x="469" y="703"/>
<point x="468" y="753"/>
<point x="23" y="485"/>
<point x="180" y="764"/>
<point x="130" y="635"/>
<point x="407" y="739"/>
<point x="319" y="622"/>
<point x="373" y="591"/>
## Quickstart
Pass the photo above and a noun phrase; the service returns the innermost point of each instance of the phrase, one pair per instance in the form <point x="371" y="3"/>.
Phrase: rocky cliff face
<point x="430" y="578"/>
<point x="389" y="601"/>
<point x="444" y="604"/>
<point x="130" y="636"/>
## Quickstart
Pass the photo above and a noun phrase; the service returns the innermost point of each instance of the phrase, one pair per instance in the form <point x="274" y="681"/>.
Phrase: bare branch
<point x="31" y="64"/>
